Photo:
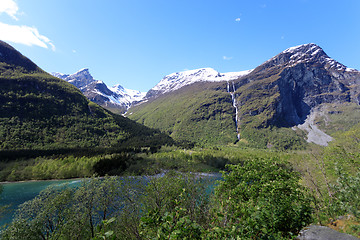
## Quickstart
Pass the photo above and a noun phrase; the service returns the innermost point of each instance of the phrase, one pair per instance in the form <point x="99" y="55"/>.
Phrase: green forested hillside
<point x="39" y="111"/>
<point x="201" y="113"/>
<point x="269" y="100"/>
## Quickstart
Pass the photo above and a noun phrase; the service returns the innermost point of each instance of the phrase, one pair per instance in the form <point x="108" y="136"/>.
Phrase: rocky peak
<point x="117" y="98"/>
<point x="80" y="79"/>
<point x="302" y="53"/>
<point x="304" y="77"/>
<point x="310" y="54"/>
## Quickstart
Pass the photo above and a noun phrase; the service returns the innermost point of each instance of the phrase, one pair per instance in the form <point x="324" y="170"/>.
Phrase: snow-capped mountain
<point x="79" y="79"/>
<point x="284" y="91"/>
<point x="129" y="95"/>
<point x="307" y="53"/>
<point x="178" y="80"/>
<point x="117" y="98"/>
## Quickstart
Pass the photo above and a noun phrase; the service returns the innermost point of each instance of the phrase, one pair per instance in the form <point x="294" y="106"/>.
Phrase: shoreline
<point x="201" y="174"/>
<point x="42" y="180"/>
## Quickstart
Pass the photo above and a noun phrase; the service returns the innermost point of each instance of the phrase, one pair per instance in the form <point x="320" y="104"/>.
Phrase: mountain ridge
<point x="116" y="99"/>
<point x="279" y="93"/>
<point x="177" y="80"/>
<point x="39" y="111"/>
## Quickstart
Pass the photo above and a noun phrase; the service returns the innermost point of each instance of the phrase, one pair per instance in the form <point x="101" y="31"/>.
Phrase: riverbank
<point x="42" y="180"/>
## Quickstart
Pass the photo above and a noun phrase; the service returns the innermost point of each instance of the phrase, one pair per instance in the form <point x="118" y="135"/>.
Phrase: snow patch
<point x="128" y="95"/>
<point x="308" y="53"/>
<point x="85" y="82"/>
<point x="178" y="80"/>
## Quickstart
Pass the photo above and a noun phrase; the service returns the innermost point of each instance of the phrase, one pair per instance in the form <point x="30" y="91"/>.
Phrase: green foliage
<point x="173" y="190"/>
<point x="68" y="213"/>
<point x="39" y="111"/>
<point x="205" y="115"/>
<point x="274" y="138"/>
<point x="347" y="194"/>
<point x="198" y="113"/>
<point x="103" y="234"/>
<point x="41" y="217"/>
<point x="339" y="118"/>
<point x="262" y="198"/>
<point x="174" y="225"/>
<point x="258" y="198"/>
<point x="175" y="205"/>
<point x="257" y="101"/>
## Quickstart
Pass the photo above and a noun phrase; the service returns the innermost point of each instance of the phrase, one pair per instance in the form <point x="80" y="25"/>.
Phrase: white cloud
<point x="237" y="19"/>
<point x="227" y="58"/>
<point x="24" y="35"/>
<point x="9" y="7"/>
<point x="20" y="34"/>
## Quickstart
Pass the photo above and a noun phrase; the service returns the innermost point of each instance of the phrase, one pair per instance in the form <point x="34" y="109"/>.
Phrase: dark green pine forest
<point x="173" y="168"/>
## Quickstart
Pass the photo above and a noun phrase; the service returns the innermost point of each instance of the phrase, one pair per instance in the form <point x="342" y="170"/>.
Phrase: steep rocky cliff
<point x="280" y="93"/>
<point x="284" y="89"/>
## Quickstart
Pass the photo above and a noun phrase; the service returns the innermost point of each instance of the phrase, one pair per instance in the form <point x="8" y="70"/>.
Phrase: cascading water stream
<point x="232" y="93"/>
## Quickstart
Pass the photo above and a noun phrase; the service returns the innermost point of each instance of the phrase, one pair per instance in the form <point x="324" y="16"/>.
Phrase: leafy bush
<point x="347" y="194"/>
<point x="68" y="213"/>
<point x="262" y="198"/>
<point x="258" y="199"/>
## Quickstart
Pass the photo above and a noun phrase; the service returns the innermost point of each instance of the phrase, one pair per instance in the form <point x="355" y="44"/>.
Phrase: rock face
<point x="315" y="135"/>
<point x="323" y="233"/>
<point x="79" y="79"/>
<point x="298" y="79"/>
<point x="116" y="99"/>
<point x="281" y="92"/>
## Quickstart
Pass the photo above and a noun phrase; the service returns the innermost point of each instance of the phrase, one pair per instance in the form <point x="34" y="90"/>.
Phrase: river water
<point x="17" y="193"/>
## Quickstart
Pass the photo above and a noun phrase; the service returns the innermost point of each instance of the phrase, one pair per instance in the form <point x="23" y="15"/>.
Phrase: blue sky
<point x="136" y="43"/>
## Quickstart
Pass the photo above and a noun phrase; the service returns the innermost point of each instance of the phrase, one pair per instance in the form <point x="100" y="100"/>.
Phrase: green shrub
<point x="262" y="198"/>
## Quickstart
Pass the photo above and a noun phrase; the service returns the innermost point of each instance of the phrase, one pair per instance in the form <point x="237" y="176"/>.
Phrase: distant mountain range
<point x="209" y="107"/>
<point x="206" y="106"/>
<point x="117" y="98"/>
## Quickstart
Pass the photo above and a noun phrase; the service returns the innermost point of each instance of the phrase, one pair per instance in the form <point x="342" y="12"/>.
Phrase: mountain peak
<point x="116" y="98"/>
<point x="308" y="48"/>
<point x="307" y="53"/>
<point x="83" y="71"/>
<point x="81" y="78"/>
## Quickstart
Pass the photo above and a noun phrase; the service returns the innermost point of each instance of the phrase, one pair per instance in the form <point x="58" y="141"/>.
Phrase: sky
<point x="136" y="43"/>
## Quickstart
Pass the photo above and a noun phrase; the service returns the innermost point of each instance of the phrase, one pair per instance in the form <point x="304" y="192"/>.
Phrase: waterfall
<point x="232" y="93"/>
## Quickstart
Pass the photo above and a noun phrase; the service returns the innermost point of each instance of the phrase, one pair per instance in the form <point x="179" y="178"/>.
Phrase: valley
<point x="283" y="135"/>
